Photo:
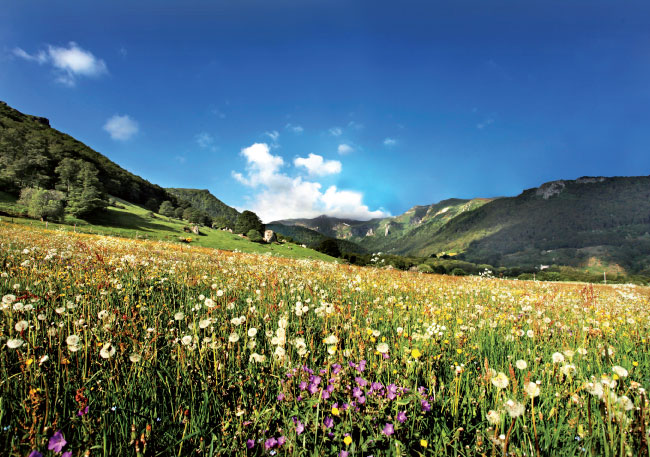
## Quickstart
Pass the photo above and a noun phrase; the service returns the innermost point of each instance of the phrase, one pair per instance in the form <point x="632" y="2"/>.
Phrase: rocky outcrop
<point x="269" y="236"/>
<point x="549" y="189"/>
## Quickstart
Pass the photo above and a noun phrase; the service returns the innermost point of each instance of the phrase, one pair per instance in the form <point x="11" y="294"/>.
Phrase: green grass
<point x="132" y="221"/>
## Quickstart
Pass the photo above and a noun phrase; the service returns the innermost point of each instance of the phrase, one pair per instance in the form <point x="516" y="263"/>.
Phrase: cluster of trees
<point x="77" y="192"/>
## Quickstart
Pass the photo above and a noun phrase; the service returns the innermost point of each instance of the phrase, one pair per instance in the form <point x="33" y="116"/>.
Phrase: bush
<point x="424" y="268"/>
<point x="42" y="204"/>
<point x="458" y="272"/>
<point x="254" y="235"/>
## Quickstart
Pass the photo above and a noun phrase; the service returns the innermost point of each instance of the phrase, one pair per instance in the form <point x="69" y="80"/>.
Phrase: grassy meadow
<point x="128" y="347"/>
<point x="133" y="221"/>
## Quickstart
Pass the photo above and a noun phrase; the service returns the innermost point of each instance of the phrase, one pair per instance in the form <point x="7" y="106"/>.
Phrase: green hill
<point x="30" y="151"/>
<point x="572" y="222"/>
<point x="203" y="200"/>
<point x="391" y="233"/>
<point x="312" y="238"/>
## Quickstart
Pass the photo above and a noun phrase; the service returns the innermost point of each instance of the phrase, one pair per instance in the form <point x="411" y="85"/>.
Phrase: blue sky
<point x="351" y="108"/>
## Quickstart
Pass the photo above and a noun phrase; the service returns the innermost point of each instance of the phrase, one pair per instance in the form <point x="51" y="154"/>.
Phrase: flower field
<point x="118" y="347"/>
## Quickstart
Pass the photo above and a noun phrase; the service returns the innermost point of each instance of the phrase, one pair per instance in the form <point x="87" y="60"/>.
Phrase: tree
<point x="152" y="204"/>
<point x="222" y="222"/>
<point x="248" y="220"/>
<point x="254" y="235"/>
<point x="178" y="213"/>
<point x="187" y="213"/>
<point x="330" y="247"/>
<point x="42" y="204"/>
<point x="86" y="196"/>
<point x="166" y="209"/>
<point x="67" y="170"/>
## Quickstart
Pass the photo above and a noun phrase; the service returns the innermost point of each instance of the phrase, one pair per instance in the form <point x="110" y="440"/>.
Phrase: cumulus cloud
<point x="280" y="196"/>
<point x="317" y="166"/>
<point x="294" y="128"/>
<point x="336" y="131"/>
<point x="121" y="128"/>
<point x="390" y="142"/>
<point x="69" y="62"/>
<point x="345" y="149"/>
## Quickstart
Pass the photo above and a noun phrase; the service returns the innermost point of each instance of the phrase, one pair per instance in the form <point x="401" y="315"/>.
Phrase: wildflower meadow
<point x="117" y="347"/>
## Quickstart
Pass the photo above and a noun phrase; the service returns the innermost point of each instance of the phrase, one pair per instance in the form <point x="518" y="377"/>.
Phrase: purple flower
<point x="35" y="453"/>
<point x="315" y="380"/>
<point x="303" y="385"/>
<point x="361" y="400"/>
<point x="356" y="392"/>
<point x="362" y="382"/>
<point x="330" y="388"/>
<point x="280" y="396"/>
<point x="336" y="368"/>
<point x="67" y="454"/>
<point x="250" y="444"/>
<point x="312" y="389"/>
<point x="281" y="440"/>
<point x="385" y="356"/>
<point x="57" y="442"/>
<point x="270" y="443"/>
<point x="401" y="417"/>
<point x="344" y="454"/>
<point x="425" y="405"/>
<point x="376" y="386"/>
<point x="325" y="395"/>
<point x="392" y="392"/>
<point x="362" y="366"/>
<point x="300" y="427"/>
<point x="328" y="422"/>
<point x="83" y="412"/>
<point x="388" y="429"/>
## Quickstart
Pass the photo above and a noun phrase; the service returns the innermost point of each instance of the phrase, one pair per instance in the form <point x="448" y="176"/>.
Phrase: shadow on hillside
<point x="119" y="219"/>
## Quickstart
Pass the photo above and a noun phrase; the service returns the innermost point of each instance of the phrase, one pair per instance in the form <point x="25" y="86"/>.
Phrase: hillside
<point x="312" y="238"/>
<point x="389" y="234"/>
<point x="30" y="151"/>
<point x="572" y="222"/>
<point x="203" y="200"/>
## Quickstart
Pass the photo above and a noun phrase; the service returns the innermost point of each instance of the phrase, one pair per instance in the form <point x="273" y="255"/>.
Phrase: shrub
<point x="254" y="235"/>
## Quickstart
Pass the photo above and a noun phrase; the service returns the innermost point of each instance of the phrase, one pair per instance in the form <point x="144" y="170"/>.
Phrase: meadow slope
<point x="128" y="347"/>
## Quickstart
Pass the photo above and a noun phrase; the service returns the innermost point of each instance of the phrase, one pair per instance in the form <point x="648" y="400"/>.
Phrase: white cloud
<point x="69" y="63"/>
<point x="355" y="125"/>
<point x="390" y="142"/>
<point x="316" y="166"/>
<point x="121" y="127"/>
<point x="345" y="149"/>
<point x="205" y="141"/>
<point x="280" y="196"/>
<point x="294" y="128"/>
<point x="274" y="135"/>
<point x="336" y="131"/>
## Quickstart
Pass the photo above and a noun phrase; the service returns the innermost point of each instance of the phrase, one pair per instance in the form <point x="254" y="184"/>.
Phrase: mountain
<point x="203" y="200"/>
<point x="390" y="233"/>
<point x="312" y="238"/>
<point x="30" y="151"/>
<point x="566" y="222"/>
<point x="587" y="222"/>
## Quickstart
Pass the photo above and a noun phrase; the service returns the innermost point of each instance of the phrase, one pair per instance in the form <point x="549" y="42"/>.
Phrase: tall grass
<point x="134" y="347"/>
